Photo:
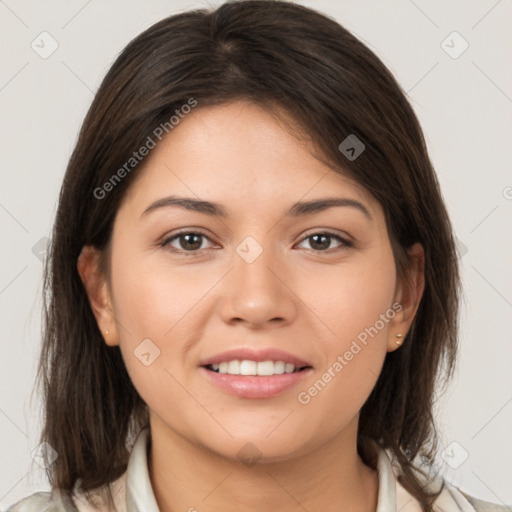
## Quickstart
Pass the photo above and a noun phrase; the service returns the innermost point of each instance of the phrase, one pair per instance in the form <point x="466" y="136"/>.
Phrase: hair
<point x="278" y="55"/>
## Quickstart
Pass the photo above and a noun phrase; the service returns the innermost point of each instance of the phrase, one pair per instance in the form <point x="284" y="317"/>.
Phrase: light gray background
<point x="464" y="105"/>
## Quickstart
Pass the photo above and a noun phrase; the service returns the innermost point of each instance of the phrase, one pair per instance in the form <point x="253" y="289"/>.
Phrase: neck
<point x="188" y="476"/>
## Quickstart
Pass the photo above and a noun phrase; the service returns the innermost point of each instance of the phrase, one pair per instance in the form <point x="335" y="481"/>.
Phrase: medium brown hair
<point x="270" y="53"/>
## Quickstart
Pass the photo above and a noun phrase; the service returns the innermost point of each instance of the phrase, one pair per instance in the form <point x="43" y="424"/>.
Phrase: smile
<point x="247" y="367"/>
<point x="254" y="385"/>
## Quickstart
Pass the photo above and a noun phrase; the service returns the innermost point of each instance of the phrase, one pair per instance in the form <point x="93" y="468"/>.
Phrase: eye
<point x="191" y="242"/>
<point x="187" y="241"/>
<point x="321" y="241"/>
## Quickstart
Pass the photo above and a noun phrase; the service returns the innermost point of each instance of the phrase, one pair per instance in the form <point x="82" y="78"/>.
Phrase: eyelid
<point x="326" y="231"/>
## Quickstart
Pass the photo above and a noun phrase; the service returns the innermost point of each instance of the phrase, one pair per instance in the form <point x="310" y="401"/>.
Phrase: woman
<point x="252" y="280"/>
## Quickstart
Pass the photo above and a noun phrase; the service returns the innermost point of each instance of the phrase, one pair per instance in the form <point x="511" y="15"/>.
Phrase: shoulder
<point x="450" y="498"/>
<point x="58" y="500"/>
<point x="39" y="501"/>
<point x="463" y="501"/>
<point x="484" y="506"/>
<point x="44" y="502"/>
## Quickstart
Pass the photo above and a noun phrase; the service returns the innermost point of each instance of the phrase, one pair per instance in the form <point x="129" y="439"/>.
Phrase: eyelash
<point x="166" y="243"/>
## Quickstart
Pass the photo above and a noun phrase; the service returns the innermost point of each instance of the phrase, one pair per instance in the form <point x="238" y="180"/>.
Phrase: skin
<point x="295" y="296"/>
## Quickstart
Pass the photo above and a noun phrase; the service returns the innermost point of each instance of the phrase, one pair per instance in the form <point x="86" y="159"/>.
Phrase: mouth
<point x="254" y="379"/>
<point x="247" y="367"/>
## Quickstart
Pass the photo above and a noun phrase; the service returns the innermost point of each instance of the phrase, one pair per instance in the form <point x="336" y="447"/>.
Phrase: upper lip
<point x="251" y="354"/>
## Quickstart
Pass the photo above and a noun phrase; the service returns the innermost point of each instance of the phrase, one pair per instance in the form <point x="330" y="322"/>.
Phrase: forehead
<point x="239" y="154"/>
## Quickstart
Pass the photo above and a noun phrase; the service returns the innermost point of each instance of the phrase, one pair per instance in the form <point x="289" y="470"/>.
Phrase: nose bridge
<point x="255" y="292"/>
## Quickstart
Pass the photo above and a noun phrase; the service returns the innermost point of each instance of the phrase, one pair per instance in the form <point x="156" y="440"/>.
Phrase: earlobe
<point x="409" y="293"/>
<point x="97" y="292"/>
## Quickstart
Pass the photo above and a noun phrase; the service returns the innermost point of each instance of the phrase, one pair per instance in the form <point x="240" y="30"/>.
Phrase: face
<point x="315" y="286"/>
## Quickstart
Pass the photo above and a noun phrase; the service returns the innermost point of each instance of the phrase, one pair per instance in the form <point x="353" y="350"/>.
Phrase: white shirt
<point x="133" y="492"/>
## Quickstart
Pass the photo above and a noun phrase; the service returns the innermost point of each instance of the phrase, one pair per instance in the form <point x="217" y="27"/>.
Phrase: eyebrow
<point x="299" y="209"/>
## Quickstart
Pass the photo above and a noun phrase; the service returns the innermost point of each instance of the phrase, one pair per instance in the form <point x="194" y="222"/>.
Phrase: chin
<point x="257" y="446"/>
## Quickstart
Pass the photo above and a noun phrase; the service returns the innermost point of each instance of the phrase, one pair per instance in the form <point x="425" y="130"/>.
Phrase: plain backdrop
<point x="463" y="98"/>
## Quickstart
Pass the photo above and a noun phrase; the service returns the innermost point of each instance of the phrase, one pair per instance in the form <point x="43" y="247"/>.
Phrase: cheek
<point x="352" y="296"/>
<point x="352" y="362"/>
<point x="355" y="308"/>
<point x="153" y="294"/>
<point x="156" y="307"/>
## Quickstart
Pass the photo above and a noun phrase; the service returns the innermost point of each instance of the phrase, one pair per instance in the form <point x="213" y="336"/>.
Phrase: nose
<point x="258" y="293"/>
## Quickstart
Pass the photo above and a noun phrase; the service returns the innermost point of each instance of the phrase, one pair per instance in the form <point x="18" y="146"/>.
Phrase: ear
<point x="408" y="294"/>
<point x="97" y="290"/>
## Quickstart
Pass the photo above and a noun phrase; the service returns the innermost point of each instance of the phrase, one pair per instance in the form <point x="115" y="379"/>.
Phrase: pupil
<point x="188" y="244"/>
<point x="325" y="244"/>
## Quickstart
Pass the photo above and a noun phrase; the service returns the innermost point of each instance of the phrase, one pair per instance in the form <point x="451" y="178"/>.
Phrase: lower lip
<point x="255" y="386"/>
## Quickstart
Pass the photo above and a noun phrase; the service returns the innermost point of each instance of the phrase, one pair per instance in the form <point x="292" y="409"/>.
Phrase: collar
<point x="386" y="500"/>
<point x="139" y="492"/>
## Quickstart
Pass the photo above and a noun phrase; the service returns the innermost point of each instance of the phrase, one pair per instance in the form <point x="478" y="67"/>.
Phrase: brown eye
<point x="187" y="242"/>
<point x="321" y="242"/>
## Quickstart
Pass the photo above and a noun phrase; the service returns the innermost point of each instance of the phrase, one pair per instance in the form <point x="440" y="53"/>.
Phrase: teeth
<point x="288" y="368"/>
<point x="247" y="367"/>
<point x="233" y="367"/>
